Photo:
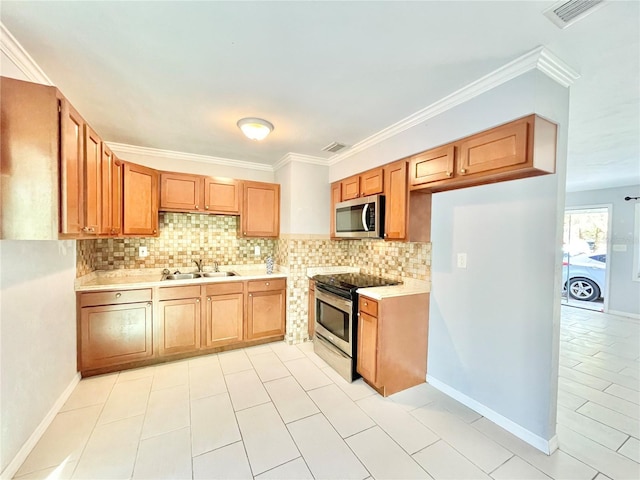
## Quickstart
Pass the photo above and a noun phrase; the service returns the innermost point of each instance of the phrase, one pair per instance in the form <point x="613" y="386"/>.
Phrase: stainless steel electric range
<point x="336" y="328"/>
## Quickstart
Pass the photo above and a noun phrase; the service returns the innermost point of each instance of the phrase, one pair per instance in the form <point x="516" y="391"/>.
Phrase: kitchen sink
<point x="218" y="274"/>
<point x="191" y="276"/>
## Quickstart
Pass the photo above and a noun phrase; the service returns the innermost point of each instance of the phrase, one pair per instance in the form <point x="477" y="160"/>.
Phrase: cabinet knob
<point x="118" y="295"/>
<point x="251" y="294"/>
<point x="244" y="233"/>
<point x="449" y="174"/>
<point x="148" y="304"/>
<point x="155" y="231"/>
<point x="365" y="304"/>
<point x="206" y="207"/>
<point x="197" y="300"/>
<point x="197" y="207"/>
<point x="267" y="284"/>
<point x="385" y="235"/>
<point x="208" y="299"/>
<point x="463" y="170"/>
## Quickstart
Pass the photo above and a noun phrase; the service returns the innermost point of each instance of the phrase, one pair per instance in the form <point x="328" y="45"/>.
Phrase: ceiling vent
<point x="334" y="147"/>
<point x="563" y="14"/>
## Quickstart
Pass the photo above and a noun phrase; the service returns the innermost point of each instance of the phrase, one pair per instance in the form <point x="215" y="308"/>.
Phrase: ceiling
<point x="179" y="75"/>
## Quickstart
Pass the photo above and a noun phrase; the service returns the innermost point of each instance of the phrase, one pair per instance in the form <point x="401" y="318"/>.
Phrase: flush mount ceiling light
<point x="255" y="128"/>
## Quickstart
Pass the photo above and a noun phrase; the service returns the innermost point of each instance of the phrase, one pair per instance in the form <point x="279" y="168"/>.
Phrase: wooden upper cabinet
<point x="92" y="181"/>
<point x="260" y="215"/>
<point x="180" y="192"/>
<point x="222" y="195"/>
<point x="395" y="181"/>
<point x="71" y="170"/>
<point x="336" y="197"/>
<point x="432" y="165"/>
<point x="140" y="200"/>
<point x="372" y="182"/>
<point x="116" y="196"/>
<point x="107" y="188"/>
<point x="350" y="188"/>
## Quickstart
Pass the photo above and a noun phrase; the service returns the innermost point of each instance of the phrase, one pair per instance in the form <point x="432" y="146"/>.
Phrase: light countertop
<point x="145" y="278"/>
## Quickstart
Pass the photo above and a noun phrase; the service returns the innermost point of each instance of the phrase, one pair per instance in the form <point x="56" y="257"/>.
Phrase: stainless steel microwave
<point x="360" y="218"/>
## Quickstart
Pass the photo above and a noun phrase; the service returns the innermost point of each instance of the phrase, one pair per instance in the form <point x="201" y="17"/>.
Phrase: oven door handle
<point x="338" y="302"/>
<point x="364" y="217"/>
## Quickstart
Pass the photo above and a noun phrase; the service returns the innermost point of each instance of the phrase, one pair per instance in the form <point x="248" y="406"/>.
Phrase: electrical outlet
<point x="462" y="260"/>
<point x="143" y="252"/>
<point x="256" y="250"/>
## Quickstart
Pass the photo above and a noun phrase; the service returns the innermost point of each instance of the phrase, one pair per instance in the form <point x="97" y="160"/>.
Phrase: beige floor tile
<point x="63" y="441"/>
<point x="517" y="469"/>
<point x="286" y="352"/>
<point x="611" y="418"/>
<point x="166" y="456"/>
<point x="479" y="449"/>
<point x="383" y="458"/>
<point x="127" y="399"/>
<point x="168" y="410"/>
<point x="355" y="390"/>
<point x="443" y="462"/>
<point x="111" y="450"/>
<point x="584" y="378"/>
<point x="307" y="374"/>
<point x="567" y="362"/>
<point x="559" y="465"/>
<point x="213" y="423"/>
<point x="611" y="377"/>
<point x="234" y="361"/>
<point x="572" y="347"/>
<point x="623" y="350"/>
<point x="136" y="373"/>
<point x="170" y="375"/>
<point x="601" y="433"/>
<point x="631" y="372"/>
<point x="416" y="397"/>
<point x="342" y="412"/>
<point x="246" y="390"/>
<point x="90" y="391"/>
<point x="569" y="400"/>
<point x="311" y="355"/>
<point x="290" y="399"/>
<point x="596" y="396"/>
<point x="206" y="380"/>
<point x="266" y="438"/>
<point x="613" y="361"/>
<point x="461" y="411"/>
<point x="59" y="472"/>
<point x="294" y="470"/>
<point x="625" y="393"/>
<point x="269" y="367"/>
<point x="631" y="449"/>
<point x="204" y="360"/>
<point x="325" y="453"/>
<point x="600" y="458"/>
<point x="258" y="350"/>
<point x="601" y="476"/>
<point x="226" y="463"/>
<point x="399" y="424"/>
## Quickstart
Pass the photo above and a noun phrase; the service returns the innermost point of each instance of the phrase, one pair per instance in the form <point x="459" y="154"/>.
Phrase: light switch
<point x="256" y="250"/>
<point x="462" y="260"/>
<point x="143" y="252"/>
<point x="619" y="248"/>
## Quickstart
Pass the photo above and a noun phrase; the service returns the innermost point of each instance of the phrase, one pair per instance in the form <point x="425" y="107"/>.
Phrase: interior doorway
<point x="585" y="253"/>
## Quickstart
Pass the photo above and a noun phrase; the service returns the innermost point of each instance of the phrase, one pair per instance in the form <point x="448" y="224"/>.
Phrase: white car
<point x="586" y="276"/>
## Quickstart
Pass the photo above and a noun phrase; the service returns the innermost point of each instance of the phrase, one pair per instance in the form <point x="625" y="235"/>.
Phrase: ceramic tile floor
<point x="279" y="412"/>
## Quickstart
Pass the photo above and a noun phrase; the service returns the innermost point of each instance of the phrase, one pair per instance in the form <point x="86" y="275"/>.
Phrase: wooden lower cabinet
<point x="179" y="320"/>
<point x="266" y="305"/>
<point x="392" y="341"/>
<point x="114" y="333"/>
<point x="224" y="317"/>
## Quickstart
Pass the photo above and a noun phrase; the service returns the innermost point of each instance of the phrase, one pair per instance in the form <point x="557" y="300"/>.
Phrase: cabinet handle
<point x="197" y="207"/>
<point x="118" y="295"/>
<point x="88" y="229"/>
<point x="463" y="170"/>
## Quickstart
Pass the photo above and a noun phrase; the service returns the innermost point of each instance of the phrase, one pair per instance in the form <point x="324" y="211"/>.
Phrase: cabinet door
<point x="432" y="166"/>
<point x="350" y="188"/>
<point x="221" y="195"/>
<point x="116" y="196"/>
<point x="224" y="319"/>
<point x="265" y="314"/>
<point x="500" y="147"/>
<point x="92" y="181"/>
<point x="260" y="209"/>
<point x="395" y="181"/>
<point x="140" y="200"/>
<point x="372" y="182"/>
<point x="179" y="326"/>
<point x="115" y="334"/>
<point x="367" y="363"/>
<point x="181" y="192"/>
<point x="311" y="312"/>
<point x="71" y="170"/>
<point x="106" y="175"/>
<point x="336" y="197"/>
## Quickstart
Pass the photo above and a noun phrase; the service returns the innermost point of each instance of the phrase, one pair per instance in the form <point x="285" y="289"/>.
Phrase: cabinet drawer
<point x="115" y="297"/>
<point x="369" y="306"/>
<point x="224" y="288"/>
<point x="266" y="285"/>
<point x="175" y="293"/>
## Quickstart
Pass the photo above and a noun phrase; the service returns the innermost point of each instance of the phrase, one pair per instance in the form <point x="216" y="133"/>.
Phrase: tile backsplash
<point x="213" y="238"/>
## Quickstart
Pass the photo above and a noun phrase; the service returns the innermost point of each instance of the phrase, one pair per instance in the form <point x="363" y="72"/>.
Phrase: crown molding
<point x="299" y="157"/>
<point x="539" y="58"/>
<point x="21" y="59"/>
<point x="123" y="148"/>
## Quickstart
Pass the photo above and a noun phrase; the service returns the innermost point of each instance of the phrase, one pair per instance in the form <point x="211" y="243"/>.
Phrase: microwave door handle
<point x="364" y="217"/>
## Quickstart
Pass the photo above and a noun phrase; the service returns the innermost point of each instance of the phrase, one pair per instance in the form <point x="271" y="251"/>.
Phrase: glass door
<point x="584" y="260"/>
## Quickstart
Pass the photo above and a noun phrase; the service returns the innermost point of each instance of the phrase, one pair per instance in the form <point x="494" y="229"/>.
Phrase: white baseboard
<point x="24" y="452"/>
<point x="624" y="314"/>
<point x="545" y="446"/>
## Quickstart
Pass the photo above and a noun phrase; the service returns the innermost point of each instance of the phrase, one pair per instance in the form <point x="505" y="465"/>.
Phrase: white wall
<point x="37" y="335"/>
<point x="494" y="327"/>
<point x="305" y="198"/>
<point x="197" y="168"/>
<point x="624" y="293"/>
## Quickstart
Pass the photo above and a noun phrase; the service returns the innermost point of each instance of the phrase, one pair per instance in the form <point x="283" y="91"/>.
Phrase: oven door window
<point x="333" y="319"/>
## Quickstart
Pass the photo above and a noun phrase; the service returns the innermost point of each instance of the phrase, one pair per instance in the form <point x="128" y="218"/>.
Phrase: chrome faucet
<point x="215" y="267"/>
<point x="199" y="264"/>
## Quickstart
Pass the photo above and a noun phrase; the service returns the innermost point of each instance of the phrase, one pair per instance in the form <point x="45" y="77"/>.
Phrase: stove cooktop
<point x="351" y="281"/>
